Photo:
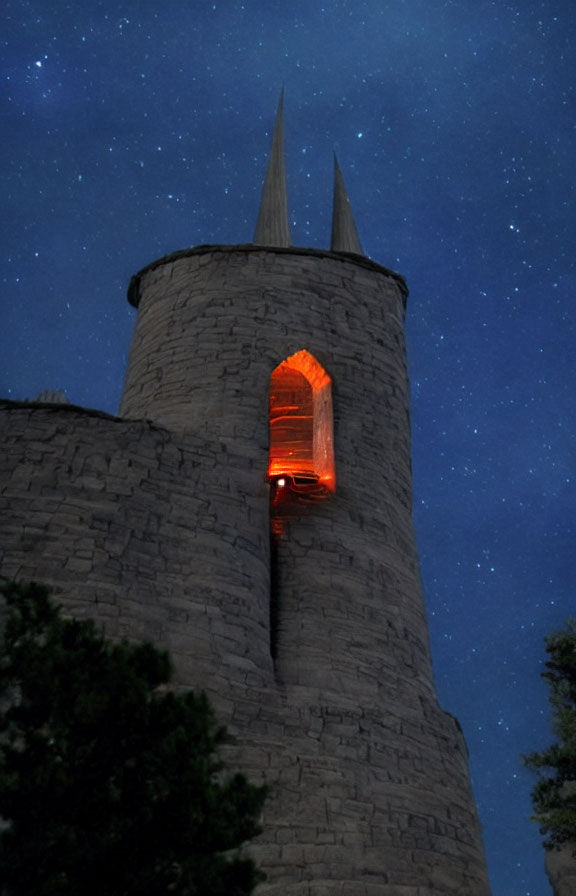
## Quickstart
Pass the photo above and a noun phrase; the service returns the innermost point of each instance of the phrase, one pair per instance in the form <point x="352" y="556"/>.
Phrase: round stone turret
<point x="213" y="324"/>
<point x="339" y="682"/>
<point x="250" y="511"/>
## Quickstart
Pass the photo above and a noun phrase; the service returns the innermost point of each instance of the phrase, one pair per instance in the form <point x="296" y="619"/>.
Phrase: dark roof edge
<point x="360" y="260"/>
<point x="8" y="404"/>
<point x="65" y="406"/>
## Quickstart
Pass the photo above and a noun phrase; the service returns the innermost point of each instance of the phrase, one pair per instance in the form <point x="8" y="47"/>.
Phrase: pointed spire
<point x="273" y="228"/>
<point x="344" y="233"/>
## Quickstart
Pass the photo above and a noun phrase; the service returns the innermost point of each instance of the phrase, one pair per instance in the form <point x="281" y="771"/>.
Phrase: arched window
<point x="301" y="463"/>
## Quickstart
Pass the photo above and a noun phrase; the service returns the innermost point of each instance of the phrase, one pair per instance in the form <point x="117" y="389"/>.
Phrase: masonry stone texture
<point x="156" y="523"/>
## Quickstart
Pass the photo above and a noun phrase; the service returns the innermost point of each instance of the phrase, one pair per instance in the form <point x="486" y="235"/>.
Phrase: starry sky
<point x="132" y="129"/>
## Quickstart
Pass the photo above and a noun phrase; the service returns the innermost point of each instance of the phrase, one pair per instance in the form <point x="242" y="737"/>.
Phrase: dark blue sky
<point x="131" y="129"/>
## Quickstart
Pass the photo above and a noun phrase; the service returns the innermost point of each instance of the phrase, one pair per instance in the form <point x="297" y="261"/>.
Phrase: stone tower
<point x="250" y="509"/>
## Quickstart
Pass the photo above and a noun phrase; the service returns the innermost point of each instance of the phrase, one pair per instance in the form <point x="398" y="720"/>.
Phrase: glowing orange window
<point x="301" y="441"/>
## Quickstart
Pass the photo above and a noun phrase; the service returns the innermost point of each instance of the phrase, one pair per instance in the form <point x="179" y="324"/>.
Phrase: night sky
<point x="132" y="129"/>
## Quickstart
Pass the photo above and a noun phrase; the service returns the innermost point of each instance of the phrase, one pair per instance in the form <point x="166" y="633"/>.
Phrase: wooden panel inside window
<point x="301" y="441"/>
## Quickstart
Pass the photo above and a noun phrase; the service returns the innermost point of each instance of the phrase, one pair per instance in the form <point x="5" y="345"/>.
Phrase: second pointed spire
<point x="273" y="227"/>
<point x="344" y="234"/>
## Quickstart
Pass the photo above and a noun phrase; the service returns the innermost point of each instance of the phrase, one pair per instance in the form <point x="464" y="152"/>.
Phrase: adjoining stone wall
<point x="157" y="525"/>
<point x="145" y="534"/>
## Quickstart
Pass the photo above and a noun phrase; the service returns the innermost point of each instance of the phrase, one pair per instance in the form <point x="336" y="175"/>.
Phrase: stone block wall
<point x="561" y="869"/>
<point x="157" y="524"/>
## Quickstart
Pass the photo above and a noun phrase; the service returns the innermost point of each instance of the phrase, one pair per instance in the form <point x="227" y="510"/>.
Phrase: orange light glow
<point x="301" y="441"/>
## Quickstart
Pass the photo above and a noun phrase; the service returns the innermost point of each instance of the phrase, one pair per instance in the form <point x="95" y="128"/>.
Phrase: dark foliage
<point x="109" y="782"/>
<point x="554" y="795"/>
